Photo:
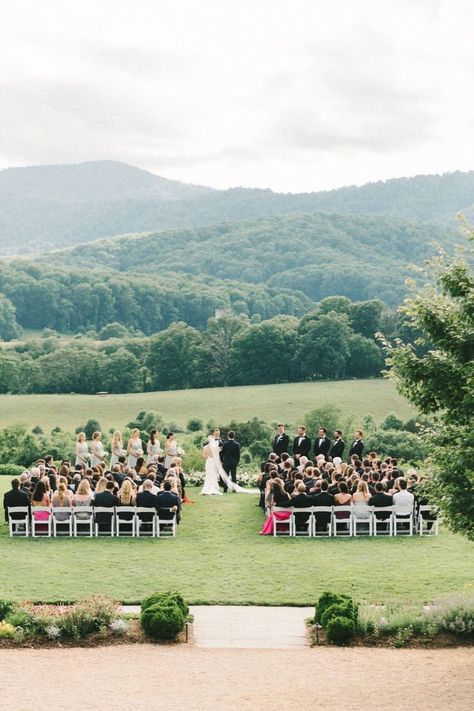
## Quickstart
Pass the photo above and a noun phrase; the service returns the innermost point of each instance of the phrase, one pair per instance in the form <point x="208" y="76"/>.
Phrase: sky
<point x="295" y="96"/>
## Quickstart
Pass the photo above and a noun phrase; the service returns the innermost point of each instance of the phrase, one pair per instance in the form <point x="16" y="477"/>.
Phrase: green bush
<point x="6" y="606"/>
<point x="23" y="618"/>
<point x="87" y="616"/>
<point x="162" y="621"/>
<point x="340" y="629"/>
<point x="7" y="631"/>
<point x="195" y="425"/>
<point x="11" y="469"/>
<point x="326" y="600"/>
<point x="165" y="598"/>
<point x="343" y="609"/>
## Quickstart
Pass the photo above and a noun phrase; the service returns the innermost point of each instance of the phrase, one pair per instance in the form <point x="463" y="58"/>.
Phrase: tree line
<point x="335" y="340"/>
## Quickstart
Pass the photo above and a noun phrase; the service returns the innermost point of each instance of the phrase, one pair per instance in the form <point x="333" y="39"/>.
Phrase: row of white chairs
<point x="133" y="521"/>
<point x="348" y="521"/>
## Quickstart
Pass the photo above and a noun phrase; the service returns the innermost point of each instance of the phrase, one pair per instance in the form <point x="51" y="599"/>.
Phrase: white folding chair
<point x="62" y="523"/>
<point x="308" y="526"/>
<point x="342" y="525"/>
<point x="327" y="530"/>
<point x="124" y="522"/>
<point x="42" y="527"/>
<point x="402" y="519"/>
<point x="285" y="526"/>
<point x="83" y="521"/>
<point x="147" y="525"/>
<point x="382" y="526"/>
<point x="105" y="526"/>
<point x="20" y="525"/>
<point x="433" y="519"/>
<point x="365" y="519"/>
<point x="166" y="527"/>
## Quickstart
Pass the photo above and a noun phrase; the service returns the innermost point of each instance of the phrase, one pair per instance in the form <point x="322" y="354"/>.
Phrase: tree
<point x="221" y="333"/>
<point x="323" y="349"/>
<point x="441" y="381"/>
<point x="8" y="326"/>
<point x="177" y="358"/>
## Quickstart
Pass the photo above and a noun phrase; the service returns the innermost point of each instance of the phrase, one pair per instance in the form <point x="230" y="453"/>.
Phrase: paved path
<point x="248" y="627"/>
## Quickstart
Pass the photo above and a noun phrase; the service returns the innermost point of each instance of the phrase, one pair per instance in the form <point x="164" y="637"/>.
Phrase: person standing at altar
<point x="322" y="443"/>
<point x="301" y="444"/>
<point x="230" y="457"/>
<point x="281" y="441"/>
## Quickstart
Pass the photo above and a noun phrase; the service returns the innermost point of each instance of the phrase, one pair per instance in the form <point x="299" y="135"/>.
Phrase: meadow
<point x="287" y="402"/>
<point x="219" y="558"/>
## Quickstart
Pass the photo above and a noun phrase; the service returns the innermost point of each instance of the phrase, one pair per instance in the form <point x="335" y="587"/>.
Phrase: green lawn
<point x="218" y="557"/>
<point x="288" y="402"/>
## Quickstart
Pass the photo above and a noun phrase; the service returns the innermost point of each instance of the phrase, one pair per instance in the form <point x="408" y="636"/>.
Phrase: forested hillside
<point x="56" y="206"/>
<point x="319" y="254"/>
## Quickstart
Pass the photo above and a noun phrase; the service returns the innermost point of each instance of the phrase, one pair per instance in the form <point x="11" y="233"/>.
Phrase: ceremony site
<point x="236" y="355"/>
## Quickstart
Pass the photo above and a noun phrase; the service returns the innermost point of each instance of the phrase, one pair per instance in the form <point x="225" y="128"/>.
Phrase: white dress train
<point x="214" y="470"/>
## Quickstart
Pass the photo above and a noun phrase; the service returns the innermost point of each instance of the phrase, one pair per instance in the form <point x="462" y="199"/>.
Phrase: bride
<point x="215" y="470"/>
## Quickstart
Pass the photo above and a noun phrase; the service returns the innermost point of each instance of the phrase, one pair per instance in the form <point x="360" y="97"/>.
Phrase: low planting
<point x="447" y="620"/>
<point x="163" y="616"/>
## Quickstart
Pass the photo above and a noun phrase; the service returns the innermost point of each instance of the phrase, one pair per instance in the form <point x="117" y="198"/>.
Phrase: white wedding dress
<point x="215" y="471"/>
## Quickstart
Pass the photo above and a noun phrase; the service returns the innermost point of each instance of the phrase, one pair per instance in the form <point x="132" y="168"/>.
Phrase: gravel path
<point x="125" y="678"/>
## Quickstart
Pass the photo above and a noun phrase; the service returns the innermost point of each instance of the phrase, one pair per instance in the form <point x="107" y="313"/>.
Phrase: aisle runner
<point x="250" y="627"/>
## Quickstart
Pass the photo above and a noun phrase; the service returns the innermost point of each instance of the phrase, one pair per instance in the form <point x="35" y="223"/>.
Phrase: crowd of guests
<point x="298" y="481"/>
<point x="150" y="484"/>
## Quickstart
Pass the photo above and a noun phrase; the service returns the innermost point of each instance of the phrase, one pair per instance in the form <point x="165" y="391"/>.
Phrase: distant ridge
<point x="45" y="207"/>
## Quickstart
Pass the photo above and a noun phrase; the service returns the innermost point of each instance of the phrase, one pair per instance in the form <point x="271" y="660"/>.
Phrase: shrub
<point x="456" y="613"/>
<point x="89" y="428"/>
<point x="23" y="618"/>
<point x="7" y="630"/>
<point x="326" y="600"/>
<point x="119" y="626"/>
<point x="11" y="469"/>
<point x="88" y="616"/>
<point x="343" y="609"/>
<point x="340" y="629"/>
<point x="164" y="621"/>
<point x="6" y="606"/>
<point x="195" y="425"/>
<point x="165" y="598"/>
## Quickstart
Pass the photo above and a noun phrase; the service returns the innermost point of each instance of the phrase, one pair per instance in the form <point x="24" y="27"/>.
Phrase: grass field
<point x="218" y="557"/>
<point x="288" y="402"/>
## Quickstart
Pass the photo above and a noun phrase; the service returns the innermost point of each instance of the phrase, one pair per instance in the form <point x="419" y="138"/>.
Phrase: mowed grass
<point x="288" y="402"/>
<point x="219" y="558"/>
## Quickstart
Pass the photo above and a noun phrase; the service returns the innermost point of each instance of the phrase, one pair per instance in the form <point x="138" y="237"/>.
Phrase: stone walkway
<point x="245" y="627"/>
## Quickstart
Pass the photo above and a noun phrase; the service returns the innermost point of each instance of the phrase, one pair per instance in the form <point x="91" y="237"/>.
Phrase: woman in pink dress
<point x="41" y="498"/>
<point x="279" y="497"/>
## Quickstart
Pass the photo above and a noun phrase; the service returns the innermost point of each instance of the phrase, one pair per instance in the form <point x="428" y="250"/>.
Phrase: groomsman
<point x="357" y="446"/>
<point x="322" y="444"/>
<point x="338" y="446"/>
<point x="301" y="444"/>
<point x="281" y="441"/>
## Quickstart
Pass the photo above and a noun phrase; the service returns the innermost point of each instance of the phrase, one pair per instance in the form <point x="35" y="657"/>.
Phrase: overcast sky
<point x="289" y="94"/>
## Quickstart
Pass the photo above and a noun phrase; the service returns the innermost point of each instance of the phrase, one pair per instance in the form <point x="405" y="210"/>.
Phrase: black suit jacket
<point x="379" y="501"/>
<point x="166" y="500"/>
<point x="324" y="498"/>
<point x="337" y="448"/>
<point x="281" y="443"/>
<point x="230" y="454"/>
<point x="14" y="497"/>
<point x="108" y="500"/>
<point x="322" y="448"/>
<point x="302" y="449"/>
<point x="357" y="447"/>
<point x="147" y="499"/>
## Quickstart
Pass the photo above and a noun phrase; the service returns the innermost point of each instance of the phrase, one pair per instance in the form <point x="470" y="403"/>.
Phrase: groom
<point x="230" y="456"/>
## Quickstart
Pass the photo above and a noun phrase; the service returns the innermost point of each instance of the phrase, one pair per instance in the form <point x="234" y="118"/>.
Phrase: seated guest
<point x="361" y="500"/>
<point x="146" y="498"/>
<point x="82" y="497"/>
<point x="301" y="500"/>
<point x="381" y="500"/>
<point x="168" y="502"/>
<point x="25" y="483"/>
<point x="126" y="497"/>
<point x="41" y="498"/>
<point x="61" y="498"/>
<point x="403" y="501"/>
<point x="107" y="499"/>
<point x="154" y="489"/>
<point x="15" y="497"/>
<point x="342" y="498"/>
<point x="323" y="498"/>
<point x="279" y="497"/>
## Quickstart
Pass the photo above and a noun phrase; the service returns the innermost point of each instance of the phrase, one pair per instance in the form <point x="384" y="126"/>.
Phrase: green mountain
<point x="318" y="254"/>
<point x="45" y="207"/>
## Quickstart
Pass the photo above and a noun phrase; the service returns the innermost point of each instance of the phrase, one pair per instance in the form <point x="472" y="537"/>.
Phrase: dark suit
<point x="302" y="447"/>
<point x="107" y="500"/>
<point x="322" y="448"/>
<point x="230" y="457"/>
<point x="357" y="448"/>
<point x="147" y="500"/>
<point x="166" y="500"/>
<point x="379" y="501"/>
<point x="15" y="497"/>
<point x="337" y="448"/>
<point x="322" y="519"/>
<point x="300" y="501"/>
<point x="281" y="443"/>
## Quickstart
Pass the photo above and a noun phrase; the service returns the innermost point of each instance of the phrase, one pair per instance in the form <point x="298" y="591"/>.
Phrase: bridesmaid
<point x="171" y="449"/>
<point x="98" y="454"/>
<point x="82" y="450"/>
<point x="134" y="448"/>
<point x="153" y="448"/>
<point x="116" y="448"/>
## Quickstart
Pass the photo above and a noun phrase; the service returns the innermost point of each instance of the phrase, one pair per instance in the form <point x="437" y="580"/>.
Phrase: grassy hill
<point x="288" y="402"/>
<point x="54" y="206"/>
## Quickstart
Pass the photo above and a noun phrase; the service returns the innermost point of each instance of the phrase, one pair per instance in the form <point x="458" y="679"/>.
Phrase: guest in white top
<point x="403" y="501"/>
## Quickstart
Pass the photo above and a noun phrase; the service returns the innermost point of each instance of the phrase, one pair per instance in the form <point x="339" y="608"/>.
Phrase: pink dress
<point x="41" y="515"/>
